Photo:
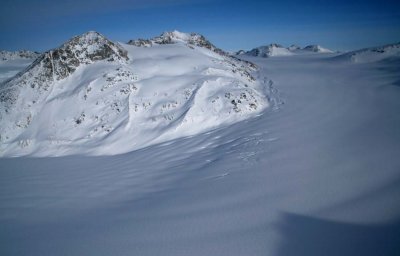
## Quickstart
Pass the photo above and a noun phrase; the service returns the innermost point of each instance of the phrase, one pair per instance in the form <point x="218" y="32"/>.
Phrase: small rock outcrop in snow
<point x="94" y="96"/>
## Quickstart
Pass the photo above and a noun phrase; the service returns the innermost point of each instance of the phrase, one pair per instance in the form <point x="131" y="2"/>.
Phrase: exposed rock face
<point x="140" y="42"/>
<point x="84" y="49"/>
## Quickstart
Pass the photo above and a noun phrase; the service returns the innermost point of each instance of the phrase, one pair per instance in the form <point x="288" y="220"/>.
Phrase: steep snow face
<point x="93" y="96"/>
<point x="317" y="48"/>
<point x="269" y="50"/>
<point x="374" y="54"/>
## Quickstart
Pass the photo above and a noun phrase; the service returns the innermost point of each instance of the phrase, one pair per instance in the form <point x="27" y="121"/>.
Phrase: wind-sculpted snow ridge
<point x="92" y="96"/>
<point x="374" y="54"/>
<point x="23" y="54"/>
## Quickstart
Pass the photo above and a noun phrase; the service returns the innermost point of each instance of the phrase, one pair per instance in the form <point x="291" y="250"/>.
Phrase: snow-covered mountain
<point x="269" y="51"/>
<point x="294" y="47"/>
<point x="173" y="37"/>
<point x="23" y="54"/>
<point x="273" y="50"/>
<point x="317" y="48"/>
<point x="240" y="52"/>
<point x="373" y="54"/>
<point x="94" y="96"/>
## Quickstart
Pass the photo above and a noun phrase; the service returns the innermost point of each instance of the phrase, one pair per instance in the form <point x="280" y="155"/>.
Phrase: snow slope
<point x="315" y="174"/>
<point x="93" y="96"/>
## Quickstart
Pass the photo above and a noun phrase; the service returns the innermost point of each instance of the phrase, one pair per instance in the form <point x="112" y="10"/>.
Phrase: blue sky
<point x="232" y="25"/>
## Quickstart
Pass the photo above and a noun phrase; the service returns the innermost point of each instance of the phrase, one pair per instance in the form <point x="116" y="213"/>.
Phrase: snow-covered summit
<point x="85" y="49"/>
<point x="269" y="50"/>
<point x="374" y="54"/>
<point x="317" y="48"/>
<point x="59" y="63"/>
<point x="173" y="37"/>
<point x="23" y="54"/>
<point x="94" y="96"/>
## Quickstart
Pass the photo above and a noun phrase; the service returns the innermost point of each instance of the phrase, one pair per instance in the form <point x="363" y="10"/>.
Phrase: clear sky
<point x="231" y="25"/>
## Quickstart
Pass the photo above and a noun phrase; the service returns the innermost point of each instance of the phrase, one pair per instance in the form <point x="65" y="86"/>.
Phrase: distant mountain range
<point x="23" y="54"/>
<point x="279" y="50"/>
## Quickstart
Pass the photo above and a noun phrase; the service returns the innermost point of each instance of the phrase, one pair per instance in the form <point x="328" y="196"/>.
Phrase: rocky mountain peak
<point x="59" y="63"/>
<point x="87" y="48"/>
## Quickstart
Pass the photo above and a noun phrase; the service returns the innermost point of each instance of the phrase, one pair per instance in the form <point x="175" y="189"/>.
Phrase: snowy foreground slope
<point x="93" y="96"/>
<point x="316" y="173"/>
